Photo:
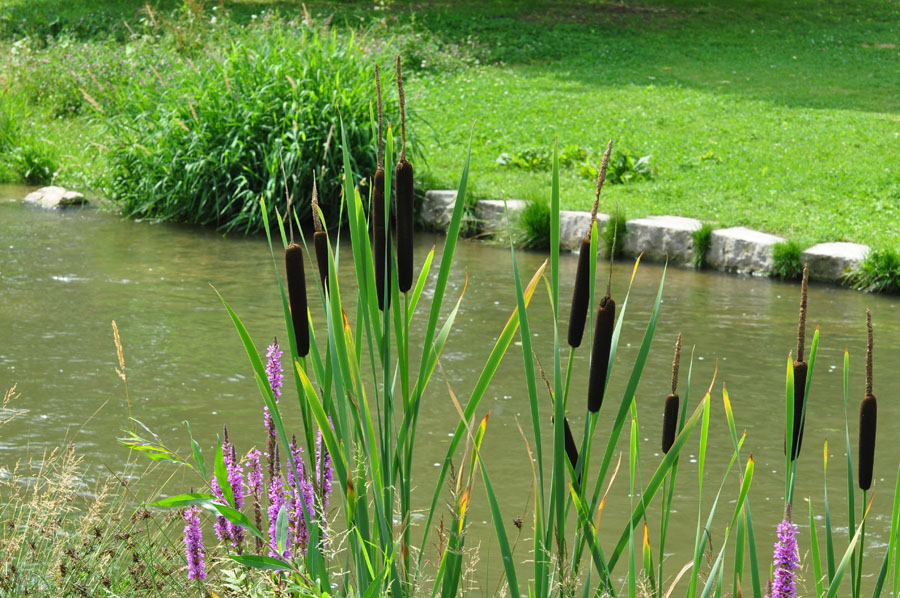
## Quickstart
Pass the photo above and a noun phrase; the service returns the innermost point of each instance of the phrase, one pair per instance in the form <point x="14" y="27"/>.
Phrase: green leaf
<point x="222" y="477"/>
<point x="232" y="515"/>
<point x="184" y="500"/>
<point x="261" y="562"/>
<point x="198" y="454"/>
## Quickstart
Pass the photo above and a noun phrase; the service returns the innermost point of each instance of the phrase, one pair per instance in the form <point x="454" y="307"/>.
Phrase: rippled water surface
<point x="64" y="275"/>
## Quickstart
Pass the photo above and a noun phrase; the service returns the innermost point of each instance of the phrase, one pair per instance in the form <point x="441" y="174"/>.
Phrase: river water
<point x="65" y="275"/>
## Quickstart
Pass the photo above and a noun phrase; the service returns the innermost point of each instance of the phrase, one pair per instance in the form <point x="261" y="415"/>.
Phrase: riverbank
<point x="673" y="239"/>
<point x="774" y="118"/>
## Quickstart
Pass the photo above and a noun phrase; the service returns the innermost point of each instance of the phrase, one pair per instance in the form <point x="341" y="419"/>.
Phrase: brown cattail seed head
<point x="603" y="331"/>
<point x="382" y="250"/>
<point x="580" y="294"/>
<point x="868" y="416"/>
<point x="405" y="190"/>
<point x="320" y="240"/>
<point x="296" y="281"/>
<point x="670" y="422"/>
<point x="800" y="371"/>
<point x="571" y="448"/>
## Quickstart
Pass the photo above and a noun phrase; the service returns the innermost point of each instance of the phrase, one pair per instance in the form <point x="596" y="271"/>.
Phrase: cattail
<point x="800" y="372"/>
<point x="581" y="291"/>
<point x="296" y="281"/>
<point x="670" y="415"/>
<point x="320" y="238"/>
<point x="603" y="331"/>
<point x="571" y="448"/>
<point x="404" y="177"/>
<point x="382" y="249"/>
<point x="868" y="415"/>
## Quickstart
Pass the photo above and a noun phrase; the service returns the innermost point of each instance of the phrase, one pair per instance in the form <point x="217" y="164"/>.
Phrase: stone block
<point x="55" y="197"/>
<point x="491" y="213"/>
<point x="740" y="249"/>
<point x="832" y="261"/>
<point x="437" y="209"/>
<point x="662" y="237"/>
<point x="573" y="226"/>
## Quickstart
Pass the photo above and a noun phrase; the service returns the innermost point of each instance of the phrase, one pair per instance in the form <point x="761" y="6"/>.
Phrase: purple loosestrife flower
<point x="236" y="481"/>
<point x="276" y="501"/>
<point x="193" y="544"/>
<point x="273" y="371"/>
<point x="255" y="485"/>
<point x="324" y="470"/>
<point x="302" y="493"/>
<point x="273" y="367"/>
<point x="786" y="559"/>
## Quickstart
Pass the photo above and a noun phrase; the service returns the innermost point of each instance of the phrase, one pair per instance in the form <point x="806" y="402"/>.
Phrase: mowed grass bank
<point x="778" y="119"/>
<point x="781" y="117"/>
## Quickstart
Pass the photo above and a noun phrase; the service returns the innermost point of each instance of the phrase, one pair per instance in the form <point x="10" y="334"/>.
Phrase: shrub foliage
<point x="204" y="146"/>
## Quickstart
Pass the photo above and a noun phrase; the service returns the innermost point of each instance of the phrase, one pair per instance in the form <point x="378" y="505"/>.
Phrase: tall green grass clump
<point x="534" y="225"/>
<point x="702" y="242"/>
<point x="788" y="262"/>
<point x="205" y="145"/>
<point x="878" y="273"/>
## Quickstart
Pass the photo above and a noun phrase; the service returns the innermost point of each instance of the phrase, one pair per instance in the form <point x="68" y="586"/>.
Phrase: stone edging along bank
<point x="735" y="249"/>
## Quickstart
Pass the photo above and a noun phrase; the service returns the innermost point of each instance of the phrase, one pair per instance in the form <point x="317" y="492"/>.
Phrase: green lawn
<point x="779" y="116"/>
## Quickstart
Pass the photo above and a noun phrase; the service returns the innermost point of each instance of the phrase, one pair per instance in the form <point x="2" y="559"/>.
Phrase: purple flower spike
<point x="276" y="501"/>
<point x="786" y="559"/>
<point x="273" y="368"/>
<point x="324" y="470"/>
<point x="255" y="484"/>
<point x="193" y="544"/>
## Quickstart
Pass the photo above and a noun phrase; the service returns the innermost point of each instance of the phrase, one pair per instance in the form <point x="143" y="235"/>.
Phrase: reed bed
<point x="360" y="385"/>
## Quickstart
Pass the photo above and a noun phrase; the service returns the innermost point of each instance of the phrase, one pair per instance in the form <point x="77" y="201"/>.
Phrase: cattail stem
<point x="378" y="97"/>
<point x="801" y="325"/>
<point x="402" y="111"/>
<point x="296" y="282"/>
<point x="601" y="178"/>
<point x="676" y="362"/>
<point x="612" y="251"/>
<point x="869" y="345"/>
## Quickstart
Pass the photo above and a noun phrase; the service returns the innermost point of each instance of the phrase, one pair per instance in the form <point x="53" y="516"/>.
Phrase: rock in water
<point x="55" y="197"/>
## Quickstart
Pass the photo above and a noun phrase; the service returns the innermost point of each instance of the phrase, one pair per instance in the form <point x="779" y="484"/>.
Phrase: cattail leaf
<point x="593" y="542"/>
<point x="658" y="476"/>
<point x="420" y="284"/>
<point x="487" y="373"/>
<point x="835" y="584"/>
<point x="814" y="551"/>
